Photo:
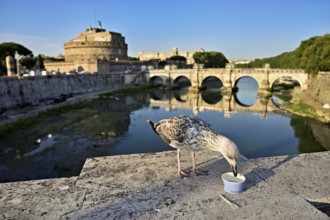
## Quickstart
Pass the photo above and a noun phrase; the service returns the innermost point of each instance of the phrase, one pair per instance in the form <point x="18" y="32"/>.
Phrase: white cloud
<point x="38" y="45"/>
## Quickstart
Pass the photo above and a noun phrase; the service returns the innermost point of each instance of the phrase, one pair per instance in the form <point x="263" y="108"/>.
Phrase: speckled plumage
<point x="185" y="133"/>
<point x="192" y="134"/>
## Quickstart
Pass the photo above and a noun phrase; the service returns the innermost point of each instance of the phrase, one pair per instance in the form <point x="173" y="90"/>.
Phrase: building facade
<point x="145" y="56"/>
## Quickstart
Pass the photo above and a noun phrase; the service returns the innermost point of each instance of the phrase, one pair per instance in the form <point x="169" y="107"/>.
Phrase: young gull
<point x="192" y="134"/>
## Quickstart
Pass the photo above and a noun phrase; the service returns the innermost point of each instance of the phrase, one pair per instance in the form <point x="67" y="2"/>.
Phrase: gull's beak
<point x="234" y="169"/>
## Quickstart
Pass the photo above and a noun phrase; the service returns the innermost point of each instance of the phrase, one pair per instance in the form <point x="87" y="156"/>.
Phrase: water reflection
<point x="210" y="100"/>
<point x="43" y="145"/>
<point x="211" y="97"/>
<point x="247" y="90"/>
<point x="117" y="125"/>
<point x="314" y="136"/>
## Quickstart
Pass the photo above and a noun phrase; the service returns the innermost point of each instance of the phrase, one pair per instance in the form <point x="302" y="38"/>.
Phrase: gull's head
<point x="230" y="152"/>
<point x="233" y="164"/>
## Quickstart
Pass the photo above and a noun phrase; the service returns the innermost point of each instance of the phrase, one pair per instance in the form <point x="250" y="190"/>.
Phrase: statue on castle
<point x="100" y="24"/>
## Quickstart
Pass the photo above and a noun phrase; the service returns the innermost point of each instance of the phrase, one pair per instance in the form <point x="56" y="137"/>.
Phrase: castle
<point x="92" y="51"/>
<point x="99" y="51"/>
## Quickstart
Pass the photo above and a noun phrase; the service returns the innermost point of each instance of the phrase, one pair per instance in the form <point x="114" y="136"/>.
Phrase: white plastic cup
<point x="232" y="184"/>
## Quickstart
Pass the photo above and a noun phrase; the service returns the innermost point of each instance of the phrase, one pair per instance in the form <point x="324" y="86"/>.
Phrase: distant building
<point x="145" y="56"/>
<point x="241" y="61"/>
<point x="92" y="51"/>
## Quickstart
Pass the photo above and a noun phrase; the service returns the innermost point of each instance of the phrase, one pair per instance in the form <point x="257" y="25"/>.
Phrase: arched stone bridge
<point x="229" y="76"/>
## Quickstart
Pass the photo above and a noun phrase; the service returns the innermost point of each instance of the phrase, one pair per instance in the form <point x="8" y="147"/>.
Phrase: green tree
<point x="316" y="55"/>
<point x="9" y="48"/>
<point x="28" y="62"/>
<point x="40" y="62"/>
<point x="3" y="68"/>
<point x="133" y="59"/>
<point x="211" y="59"/>
<point x="200" y="57"/>
<point x="177" y="58"/>
<point x="312" y="55"/>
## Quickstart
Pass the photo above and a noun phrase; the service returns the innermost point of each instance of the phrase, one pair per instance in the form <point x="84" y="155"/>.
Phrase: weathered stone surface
<point x="146" y="186"/>
<point x="18" y="91"/>
<point x="306" y="175"/>
<point x="319" y="87"/>
<point x="40" y="199"/>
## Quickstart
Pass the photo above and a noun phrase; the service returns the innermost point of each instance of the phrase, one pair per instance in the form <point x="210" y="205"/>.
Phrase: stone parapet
<point x="146" y="186"/>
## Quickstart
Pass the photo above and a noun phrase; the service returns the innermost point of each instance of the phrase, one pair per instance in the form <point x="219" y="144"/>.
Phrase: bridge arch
<point x="246" y="88"/>
<point x="246" y="76"/>
<point x="242" y="104"/>
<point x="181" y="82"/>
<point x="211" y="82"/>
<point x="158" y="80"/>
<point x="288" y="77"/>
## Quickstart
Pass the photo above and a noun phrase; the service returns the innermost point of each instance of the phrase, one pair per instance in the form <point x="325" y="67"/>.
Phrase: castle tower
<point x="96" y="43"/>
<point x="91" y="52"/>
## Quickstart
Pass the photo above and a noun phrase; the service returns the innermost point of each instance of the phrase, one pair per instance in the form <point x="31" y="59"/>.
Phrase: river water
<point x="57" y="144"/>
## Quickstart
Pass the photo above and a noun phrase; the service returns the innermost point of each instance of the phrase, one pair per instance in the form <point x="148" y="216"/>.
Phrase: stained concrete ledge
<point x="146" y="186"/>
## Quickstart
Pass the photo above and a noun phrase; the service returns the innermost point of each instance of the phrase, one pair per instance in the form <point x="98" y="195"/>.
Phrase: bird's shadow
<point x="263" y="173"/>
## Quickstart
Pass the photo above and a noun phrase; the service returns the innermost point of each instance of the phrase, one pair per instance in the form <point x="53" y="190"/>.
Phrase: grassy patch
<point x="301" y="108"/>
<point x="44" y="117"/>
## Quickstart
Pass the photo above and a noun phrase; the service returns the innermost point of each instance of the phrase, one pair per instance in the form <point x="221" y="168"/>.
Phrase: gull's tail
<point x="153" y="125"/>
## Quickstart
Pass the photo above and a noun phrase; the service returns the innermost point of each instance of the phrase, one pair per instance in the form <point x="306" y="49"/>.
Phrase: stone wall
<point x="16" y="91"/>
<point x="62" y="67"/>
<point x="319" y="87"/>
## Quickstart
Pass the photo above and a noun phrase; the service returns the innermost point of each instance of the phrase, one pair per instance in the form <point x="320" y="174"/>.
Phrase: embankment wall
<point x="17" y="91"/>
<point x="319" y="87"/>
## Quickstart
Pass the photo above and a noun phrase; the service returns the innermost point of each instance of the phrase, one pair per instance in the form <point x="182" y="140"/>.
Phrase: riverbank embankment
<point x="304" y="105"/>
<point x="14" y="114"/>
<point x="146" y="186"/>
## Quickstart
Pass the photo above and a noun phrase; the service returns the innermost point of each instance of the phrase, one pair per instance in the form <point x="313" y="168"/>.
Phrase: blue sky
<point x="241" y="29"/>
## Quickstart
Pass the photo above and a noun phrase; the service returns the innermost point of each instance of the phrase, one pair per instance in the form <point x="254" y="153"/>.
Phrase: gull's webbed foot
<point x="201" y="172"/>
<point x="183" y="174"/>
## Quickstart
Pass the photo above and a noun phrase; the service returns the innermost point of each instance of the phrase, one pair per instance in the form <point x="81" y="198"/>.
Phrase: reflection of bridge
<point x="229" y="76"/>
<point x="227" y="104"/>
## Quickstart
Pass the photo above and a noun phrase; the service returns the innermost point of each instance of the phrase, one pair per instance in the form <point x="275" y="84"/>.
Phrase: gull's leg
<point x="193" y="160"/>
<point x="196" y="171"/>
<point x="181" y="173"/>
